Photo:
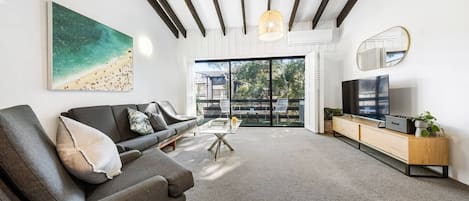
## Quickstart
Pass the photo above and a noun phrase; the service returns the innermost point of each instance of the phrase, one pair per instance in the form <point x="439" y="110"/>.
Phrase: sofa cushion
<point x="179" y="127"/>
<point x="150" y="107"/>
<point x="153" y="162"/>
<point x="139" y="122"/>
<point x="140" y="143"/>
<point x="130" y="156"/>
<point x="192" y="123"/>
<point x="165" y="134"/>
<point x="157" y="121"/>
<point x="86" y="152"/>
<point x="121" y="116"/>
<point x="167" y="107"/>
<point x="185" y="117"/>
<point x="152" y="189"/>
<point x="99" y="117"/>
<point x="29" y="159"/>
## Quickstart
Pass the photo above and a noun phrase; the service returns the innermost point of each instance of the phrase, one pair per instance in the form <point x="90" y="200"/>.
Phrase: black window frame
<point x="270" y="81"/>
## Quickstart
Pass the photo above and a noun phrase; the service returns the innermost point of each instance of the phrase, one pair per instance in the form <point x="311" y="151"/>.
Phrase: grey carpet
<point x="292" y="164"/>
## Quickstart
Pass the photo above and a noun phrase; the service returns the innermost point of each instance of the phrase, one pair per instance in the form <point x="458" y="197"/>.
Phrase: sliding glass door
<point x="211" y="81"/>
<point x="261" y="92"/>
<point x="288" y="91"/>
<point x="250" y="97"/>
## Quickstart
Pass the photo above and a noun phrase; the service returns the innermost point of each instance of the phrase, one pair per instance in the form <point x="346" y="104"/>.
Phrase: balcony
<point x="255" y="112"/>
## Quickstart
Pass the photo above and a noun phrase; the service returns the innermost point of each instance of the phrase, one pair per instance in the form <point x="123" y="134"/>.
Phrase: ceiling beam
<point x="343" y="14"/>
<point x="319" y="13"/>
<point x="156" y="6"/>
<point x="244" y="17"/>
<point x="220" y="17"/>
<point x="174" y="18"/>
<point x="195" y="16"/>
<point x="293" y="14"/>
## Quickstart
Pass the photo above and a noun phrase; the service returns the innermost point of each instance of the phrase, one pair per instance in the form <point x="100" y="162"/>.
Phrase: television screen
<point x="367" y="97"/>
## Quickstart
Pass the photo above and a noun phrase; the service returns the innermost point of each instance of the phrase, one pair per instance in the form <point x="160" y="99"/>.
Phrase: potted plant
<point x="328" y="114"/>
<point x="426" y="125"/>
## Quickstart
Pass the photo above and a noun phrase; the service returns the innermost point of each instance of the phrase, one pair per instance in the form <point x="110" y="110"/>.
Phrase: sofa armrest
<point x="154" y="188"/>
<point x="129" y="156"/>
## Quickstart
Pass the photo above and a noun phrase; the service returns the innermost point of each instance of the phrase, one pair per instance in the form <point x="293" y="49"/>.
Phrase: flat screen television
<point x="368" y="97"/>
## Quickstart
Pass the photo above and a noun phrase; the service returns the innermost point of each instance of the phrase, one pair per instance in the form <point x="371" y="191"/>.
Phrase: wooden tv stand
<point x="411" y="150"/>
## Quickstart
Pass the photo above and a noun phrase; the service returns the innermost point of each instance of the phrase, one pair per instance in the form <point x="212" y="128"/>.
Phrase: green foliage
<point x="252" y="79"/>
<point x="330" y="112"/>
<point x="432" y="128"/>
<point x="288" y="78"/>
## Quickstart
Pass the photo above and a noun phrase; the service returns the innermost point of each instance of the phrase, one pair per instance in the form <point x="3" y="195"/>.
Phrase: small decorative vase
<point x="234" y="120"/>
<point x="420" y="126"/>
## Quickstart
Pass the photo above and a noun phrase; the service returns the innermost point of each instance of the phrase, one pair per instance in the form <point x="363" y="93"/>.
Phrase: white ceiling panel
<point x="254" y="10"/>
<point x="333" y="9"/>
<point x="306" y="10"/>
<point x="183" y="13"/>
<point x="232" y="13"/>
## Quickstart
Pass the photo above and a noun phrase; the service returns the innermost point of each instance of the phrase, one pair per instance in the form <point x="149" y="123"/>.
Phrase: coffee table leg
<point x="217" y="142"/>
<point x="217" y="152"/>
<point x="226" y="143"/>
<point x="213" y="144"/>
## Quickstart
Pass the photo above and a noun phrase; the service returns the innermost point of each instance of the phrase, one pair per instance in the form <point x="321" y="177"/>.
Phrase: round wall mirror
<point x="383" y="50"/>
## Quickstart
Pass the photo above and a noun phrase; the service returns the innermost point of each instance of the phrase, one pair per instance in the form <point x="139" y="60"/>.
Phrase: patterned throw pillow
<point x="157" y="121"/>
<point x="139" y="122"/>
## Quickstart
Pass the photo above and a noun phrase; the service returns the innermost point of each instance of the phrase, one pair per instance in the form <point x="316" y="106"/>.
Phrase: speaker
<point x="400" y="123"/>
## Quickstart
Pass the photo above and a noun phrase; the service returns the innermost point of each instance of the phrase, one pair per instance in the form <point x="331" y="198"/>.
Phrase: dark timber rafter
<point x="220" y="17"/>
<point x="174" y="18"/>
<point x="319" y="13"/>
<point x="343" y="14"/>
<point x="195" y="16"/>
<point x="156" y="6"/>
<point x="244" y="17"/>
<point x="293" y="14"/>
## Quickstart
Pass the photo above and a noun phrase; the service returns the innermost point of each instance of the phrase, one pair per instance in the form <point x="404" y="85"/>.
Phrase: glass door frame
<point x="269" y="59"/>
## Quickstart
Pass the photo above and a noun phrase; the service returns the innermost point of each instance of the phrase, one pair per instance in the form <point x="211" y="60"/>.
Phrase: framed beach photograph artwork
<point x="85" y="55"/>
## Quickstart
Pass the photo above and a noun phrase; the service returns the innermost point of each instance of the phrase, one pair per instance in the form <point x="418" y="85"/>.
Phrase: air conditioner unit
<point x="312" y="37"/>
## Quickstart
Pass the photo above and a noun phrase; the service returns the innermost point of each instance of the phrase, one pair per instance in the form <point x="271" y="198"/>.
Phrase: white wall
<point x="237" y="45"/>
<point x="434" y="74"/>
<point x="23" y="56"/>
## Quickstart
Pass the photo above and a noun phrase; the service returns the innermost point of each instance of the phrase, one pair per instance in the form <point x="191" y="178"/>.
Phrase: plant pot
<point x="420" y="126"/>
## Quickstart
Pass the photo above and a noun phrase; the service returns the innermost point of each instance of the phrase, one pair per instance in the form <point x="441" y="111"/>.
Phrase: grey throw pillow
<point x="157" y="121"/>
<point x="139" y="122"/>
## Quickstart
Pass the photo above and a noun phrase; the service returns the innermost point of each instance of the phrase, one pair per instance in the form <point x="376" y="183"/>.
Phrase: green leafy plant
<point x="430" y="120"/>
<point x="330" y="112"/>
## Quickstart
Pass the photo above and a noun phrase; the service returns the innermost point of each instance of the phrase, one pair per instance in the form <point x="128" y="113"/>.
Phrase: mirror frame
<point x="407" y="50"/>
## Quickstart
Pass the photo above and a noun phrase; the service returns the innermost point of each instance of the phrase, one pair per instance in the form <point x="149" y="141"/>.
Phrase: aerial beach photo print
<point x="87" y="55"/>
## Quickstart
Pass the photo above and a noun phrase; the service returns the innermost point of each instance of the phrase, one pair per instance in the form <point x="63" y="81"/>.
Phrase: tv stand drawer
<point x="391" y="144"/>
<point x="346" y="128"/>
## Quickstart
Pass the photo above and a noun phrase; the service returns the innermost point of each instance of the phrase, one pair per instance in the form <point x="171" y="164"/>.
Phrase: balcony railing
<point x="255" y="112"/>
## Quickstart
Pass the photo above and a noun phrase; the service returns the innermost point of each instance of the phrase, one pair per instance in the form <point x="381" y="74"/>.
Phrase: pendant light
<point x="271" y="25"/>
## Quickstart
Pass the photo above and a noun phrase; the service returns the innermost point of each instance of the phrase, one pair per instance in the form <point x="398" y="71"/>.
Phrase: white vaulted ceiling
<point x="232" y="12"/>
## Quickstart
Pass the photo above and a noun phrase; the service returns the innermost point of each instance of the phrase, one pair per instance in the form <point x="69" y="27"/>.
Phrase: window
<point x="262" y="92"/>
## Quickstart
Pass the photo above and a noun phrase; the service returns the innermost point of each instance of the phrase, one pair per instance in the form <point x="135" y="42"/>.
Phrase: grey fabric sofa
<point x="29" y="163"/>
<point x="114" y="122"/>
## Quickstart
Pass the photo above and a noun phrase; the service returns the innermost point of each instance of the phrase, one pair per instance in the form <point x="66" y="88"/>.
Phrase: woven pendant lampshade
<point x="271" y="26"/>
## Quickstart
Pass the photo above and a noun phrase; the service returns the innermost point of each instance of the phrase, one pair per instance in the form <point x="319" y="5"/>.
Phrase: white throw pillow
<point x="86" y="152"/>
